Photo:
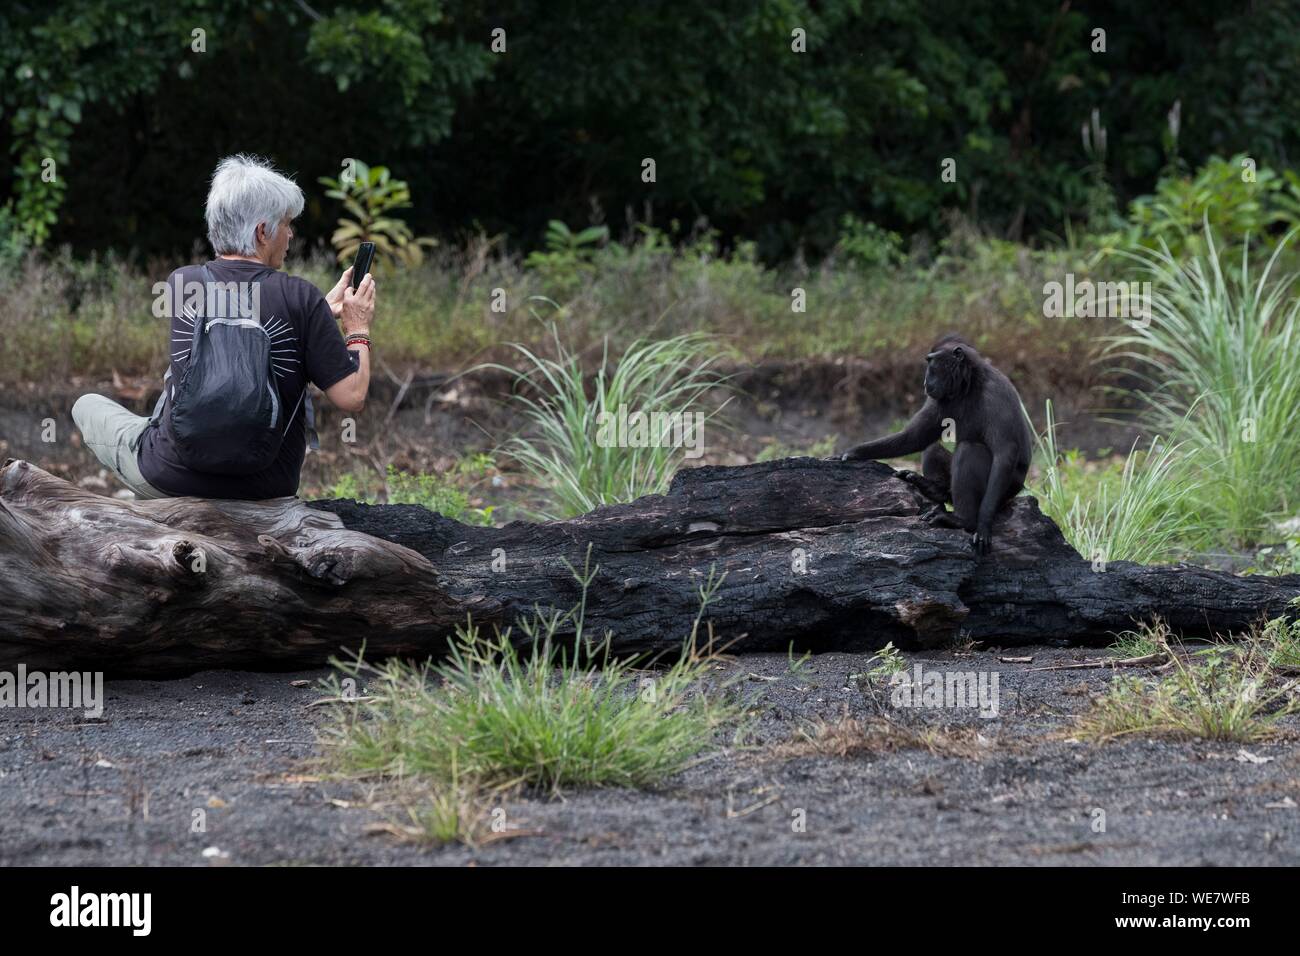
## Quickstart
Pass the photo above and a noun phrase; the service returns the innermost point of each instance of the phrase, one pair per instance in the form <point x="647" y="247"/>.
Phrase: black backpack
<point x="225" y="414"/>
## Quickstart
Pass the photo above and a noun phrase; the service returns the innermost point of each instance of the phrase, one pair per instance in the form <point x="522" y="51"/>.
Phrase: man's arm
<point x="349" y="394"/>
<point x="925" y="428"/>
<point x="358" y="309"/>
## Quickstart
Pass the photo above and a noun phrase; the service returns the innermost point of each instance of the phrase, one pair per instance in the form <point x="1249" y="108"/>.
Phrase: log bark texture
<point x="825" y="554"/>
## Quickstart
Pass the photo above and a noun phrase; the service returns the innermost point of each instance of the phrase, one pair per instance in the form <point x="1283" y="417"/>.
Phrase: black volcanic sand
<point x="123" y="790"/>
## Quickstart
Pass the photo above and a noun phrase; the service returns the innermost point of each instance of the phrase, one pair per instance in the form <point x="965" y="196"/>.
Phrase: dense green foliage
<point x="767" y="143"/>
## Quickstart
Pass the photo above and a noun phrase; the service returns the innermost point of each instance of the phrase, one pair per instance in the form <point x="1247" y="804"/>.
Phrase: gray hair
<point x="246" y="190"/>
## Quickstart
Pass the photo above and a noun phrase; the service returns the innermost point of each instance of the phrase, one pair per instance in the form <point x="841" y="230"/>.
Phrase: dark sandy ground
<point x="125" y="789"/>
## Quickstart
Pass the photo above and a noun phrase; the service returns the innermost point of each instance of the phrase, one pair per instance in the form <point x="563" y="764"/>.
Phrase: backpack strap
<point x="162" y="399"/>
<point x="313" y="439"/>
<point x="179" y="307"/>
<point x="304" y="401"/>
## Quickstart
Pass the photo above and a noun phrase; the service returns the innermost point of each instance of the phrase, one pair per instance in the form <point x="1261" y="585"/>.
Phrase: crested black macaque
<point x="966" y="393"/>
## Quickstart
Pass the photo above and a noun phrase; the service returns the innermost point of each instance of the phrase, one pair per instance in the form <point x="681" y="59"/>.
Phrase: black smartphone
<point x="361" y="265"/>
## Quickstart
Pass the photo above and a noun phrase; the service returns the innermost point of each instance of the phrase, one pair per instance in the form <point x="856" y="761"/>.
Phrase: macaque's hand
<point x="981" y="540"/>
<point x="335" y="295"/>
<point x="359" y="306"/>
<point x="854" y="454"/>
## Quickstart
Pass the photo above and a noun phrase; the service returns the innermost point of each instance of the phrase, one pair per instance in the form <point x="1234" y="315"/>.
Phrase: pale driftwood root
<point x="181" y="584"/>
<point x="824" y="554"/>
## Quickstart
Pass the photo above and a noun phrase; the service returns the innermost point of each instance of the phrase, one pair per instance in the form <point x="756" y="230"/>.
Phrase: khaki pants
<point x="113" y="434"/>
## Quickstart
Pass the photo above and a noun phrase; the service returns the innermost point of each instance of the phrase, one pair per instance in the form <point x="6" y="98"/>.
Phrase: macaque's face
<point x="947" y="372"/>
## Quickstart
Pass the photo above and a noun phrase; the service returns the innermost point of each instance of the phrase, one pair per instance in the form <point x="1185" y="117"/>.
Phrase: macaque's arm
<point x="925" y="428"/>
<point x="994" y="494"/>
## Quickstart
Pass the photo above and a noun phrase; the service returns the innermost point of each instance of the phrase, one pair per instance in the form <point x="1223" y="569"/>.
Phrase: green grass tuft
<point x="1225" y="693"/>
<point x="1220" y="360"/>
<point x="1136" y="511"/>
<point x="570" y="450"/>
<point x="535" y="715"/>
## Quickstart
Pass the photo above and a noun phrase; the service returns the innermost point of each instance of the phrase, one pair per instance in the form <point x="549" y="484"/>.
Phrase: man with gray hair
<point x="282" y="337"/>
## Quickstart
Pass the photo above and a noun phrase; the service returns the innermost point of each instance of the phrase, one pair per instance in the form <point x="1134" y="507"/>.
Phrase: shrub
<point x="372" y="196"/>
<point x="867" y="245"/>
<point x="1217" y="197"/>
<point x="568" y="257"/>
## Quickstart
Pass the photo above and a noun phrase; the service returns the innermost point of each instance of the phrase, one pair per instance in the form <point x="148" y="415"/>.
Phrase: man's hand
<point x="358" y="309"/>
<point x="335" y="295"/>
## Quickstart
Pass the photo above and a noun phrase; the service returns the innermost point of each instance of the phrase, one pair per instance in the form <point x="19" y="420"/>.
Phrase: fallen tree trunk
<point x="825" y="554"/>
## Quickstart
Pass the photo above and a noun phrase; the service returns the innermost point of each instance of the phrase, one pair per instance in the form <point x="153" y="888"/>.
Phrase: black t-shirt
<point x="306" y="346"/>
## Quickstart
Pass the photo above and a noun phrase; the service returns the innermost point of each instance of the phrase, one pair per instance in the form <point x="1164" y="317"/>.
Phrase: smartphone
<point x="361" y="265"/>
